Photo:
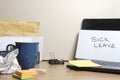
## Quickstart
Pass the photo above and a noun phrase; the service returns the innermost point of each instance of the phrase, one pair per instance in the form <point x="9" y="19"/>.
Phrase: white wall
<point x="60" y="19"/>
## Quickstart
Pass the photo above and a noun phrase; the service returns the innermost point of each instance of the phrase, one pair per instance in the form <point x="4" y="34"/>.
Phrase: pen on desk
<point x="39" y="70"/>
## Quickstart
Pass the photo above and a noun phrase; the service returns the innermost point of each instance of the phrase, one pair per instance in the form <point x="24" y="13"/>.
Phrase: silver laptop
<point x="99" y="41"/>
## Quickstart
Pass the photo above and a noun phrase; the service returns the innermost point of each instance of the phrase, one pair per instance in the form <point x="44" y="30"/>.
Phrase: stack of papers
<point x="25" y="74"/>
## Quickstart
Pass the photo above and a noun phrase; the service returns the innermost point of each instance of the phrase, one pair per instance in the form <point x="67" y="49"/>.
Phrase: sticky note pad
<point x="84" y="63"/>
<point x="22" y="77"/>
<point x="26" y="72"/>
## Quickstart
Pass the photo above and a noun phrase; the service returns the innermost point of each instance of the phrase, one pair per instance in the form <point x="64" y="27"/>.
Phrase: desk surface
<point x="60" y="72"/>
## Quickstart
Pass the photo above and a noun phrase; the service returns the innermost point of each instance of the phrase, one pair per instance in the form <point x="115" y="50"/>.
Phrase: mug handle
<point x="38" y="57"/>
<point x="10" y="47"/>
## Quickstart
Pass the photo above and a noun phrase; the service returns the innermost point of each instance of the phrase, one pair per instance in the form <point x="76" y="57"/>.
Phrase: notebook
<point x="99" y="42"/>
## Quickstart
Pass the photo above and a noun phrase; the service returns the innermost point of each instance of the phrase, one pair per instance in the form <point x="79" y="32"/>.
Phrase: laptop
<point x="99" y="42"/>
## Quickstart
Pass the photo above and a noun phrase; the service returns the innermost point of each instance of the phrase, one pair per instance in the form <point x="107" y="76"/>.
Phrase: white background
<point x="60" y="19"/>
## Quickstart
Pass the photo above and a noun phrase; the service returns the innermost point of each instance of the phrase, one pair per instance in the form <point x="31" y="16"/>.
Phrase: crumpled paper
<point x="9" y="63"/>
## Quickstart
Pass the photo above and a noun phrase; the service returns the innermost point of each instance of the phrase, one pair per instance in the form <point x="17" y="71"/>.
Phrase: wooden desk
<point x="60" y="72"/>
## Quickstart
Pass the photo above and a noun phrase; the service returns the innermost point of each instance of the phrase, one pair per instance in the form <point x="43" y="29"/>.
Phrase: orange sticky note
<point x="26" y="72"/>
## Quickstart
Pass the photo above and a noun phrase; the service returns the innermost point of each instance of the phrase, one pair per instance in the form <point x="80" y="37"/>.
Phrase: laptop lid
<point x="99" y="40"/>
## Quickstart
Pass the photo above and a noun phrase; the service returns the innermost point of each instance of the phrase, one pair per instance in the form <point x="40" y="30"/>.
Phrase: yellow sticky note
<point x="84" y="63"/>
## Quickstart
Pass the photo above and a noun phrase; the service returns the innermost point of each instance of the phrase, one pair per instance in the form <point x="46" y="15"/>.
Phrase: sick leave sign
<point x="102" y="42"/>
<point x="99" y="44"/>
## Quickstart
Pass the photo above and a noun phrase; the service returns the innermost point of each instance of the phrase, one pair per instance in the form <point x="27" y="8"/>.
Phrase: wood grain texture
<point x="61" y="72"/>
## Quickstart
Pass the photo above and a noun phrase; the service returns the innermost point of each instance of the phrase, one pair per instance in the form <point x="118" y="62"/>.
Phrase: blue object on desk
<point x="28" y="54"/>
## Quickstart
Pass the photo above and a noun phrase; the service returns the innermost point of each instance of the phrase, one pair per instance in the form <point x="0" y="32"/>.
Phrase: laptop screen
<point x="101" y="24"/>
<point x="99" y="42"/>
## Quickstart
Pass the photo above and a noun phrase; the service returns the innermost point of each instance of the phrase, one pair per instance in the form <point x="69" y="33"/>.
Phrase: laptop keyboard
<point x="107" y="67"/>
<point x="106" y="63"/>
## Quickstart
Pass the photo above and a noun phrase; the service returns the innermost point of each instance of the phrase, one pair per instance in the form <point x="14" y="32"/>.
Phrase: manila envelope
<point x="19" y="28"/>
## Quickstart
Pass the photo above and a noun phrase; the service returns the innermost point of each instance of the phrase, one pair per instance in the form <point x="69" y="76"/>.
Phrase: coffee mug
<point x="28" y="54"/>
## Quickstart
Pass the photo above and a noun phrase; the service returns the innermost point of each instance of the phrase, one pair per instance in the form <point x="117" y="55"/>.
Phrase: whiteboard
<point x="98" y="45"/>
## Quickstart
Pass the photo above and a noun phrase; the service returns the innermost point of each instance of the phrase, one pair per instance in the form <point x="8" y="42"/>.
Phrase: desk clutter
<point x="53" y="60"/>
<point x="25" y="36"/>
<point x="94" y="65"/>
<point x="25" y="74"/>
<point x="8" y="60"/>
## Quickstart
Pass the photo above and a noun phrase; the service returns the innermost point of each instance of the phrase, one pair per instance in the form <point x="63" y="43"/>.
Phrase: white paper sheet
<point x="99" y="45"/>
